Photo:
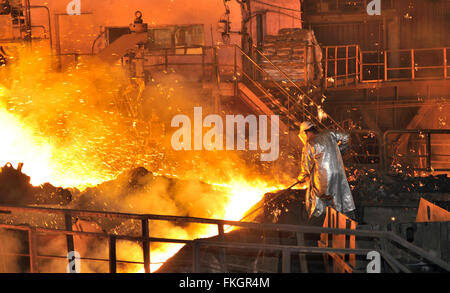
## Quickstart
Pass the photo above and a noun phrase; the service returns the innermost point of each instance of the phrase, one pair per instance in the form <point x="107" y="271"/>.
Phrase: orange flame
<point x="51" y="122"/>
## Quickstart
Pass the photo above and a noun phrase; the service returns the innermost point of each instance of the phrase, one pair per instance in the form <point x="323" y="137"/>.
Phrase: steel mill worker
<point x="323" y="166"/>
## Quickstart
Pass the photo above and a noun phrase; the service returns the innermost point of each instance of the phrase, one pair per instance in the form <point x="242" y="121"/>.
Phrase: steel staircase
<point x="258" y="89"/>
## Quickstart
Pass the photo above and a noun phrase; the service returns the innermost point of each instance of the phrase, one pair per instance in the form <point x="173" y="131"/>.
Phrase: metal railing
<point x="344" y="68"/>
<point x="343" y="263"/>
<point x="342" y="65"/>
<point x="297" y="101"/>
<point x="34" y="232"/>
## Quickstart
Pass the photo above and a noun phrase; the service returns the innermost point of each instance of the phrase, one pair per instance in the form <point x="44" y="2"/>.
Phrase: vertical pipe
<point x="336" y="236"/>
<point x="259" y="31"/>
<point x="385" y="65"/>
<point x="203" y="64"/>
<point x="286" y="261"/>
<point x="326" y="67"/>
<point x="306" y="65"/>
<point x="166" y="60"/>
<point x="302" y="256"/>
<point x="413" y="65"/>
<point x="429" y="151"/>
<point x="28" y="27"/>
<point x="356" y="64"/>
<point x="112" y="254"/>
<point x="58" y="41"/>
<point x="335" y="66"/>
<point x="326" y="224"/>
<point x="146" y="245"/>
<point x="361" y="65"/>
<point x="222" y="250"/>
<point x="347" y="239"/>
<point x="32" y="246"/>
<point x="330" y="225"/>
<point x="235" y="72"/>
<point x="68" y="225"/>
<point x="218" y="80"/>
<point x="353" y="244"/>
<point x="394" y="110"/>
<point x="346" y="65"/>
<point x="445" y="63"/>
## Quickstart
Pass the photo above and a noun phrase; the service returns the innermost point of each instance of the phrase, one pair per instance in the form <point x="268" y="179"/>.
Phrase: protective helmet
<point x="306" y="125"/>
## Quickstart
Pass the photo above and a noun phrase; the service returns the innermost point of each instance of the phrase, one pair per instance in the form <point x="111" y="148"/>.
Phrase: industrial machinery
<point x="292" y="66"/>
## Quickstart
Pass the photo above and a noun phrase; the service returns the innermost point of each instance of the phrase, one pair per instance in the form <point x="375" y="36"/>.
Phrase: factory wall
<point x="275" y="15"/>
<point x="403" y="24"/>
<point x="424" y="23"/>
<point x="76" y="33"/>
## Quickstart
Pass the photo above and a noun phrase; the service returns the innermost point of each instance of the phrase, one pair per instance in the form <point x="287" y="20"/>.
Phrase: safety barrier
<point x="429" y="212"/>
<point x="338" y="262"/>
<point x="342" y="65"/>
<point x="348" y="65"/>
<point x="34" y="232"/>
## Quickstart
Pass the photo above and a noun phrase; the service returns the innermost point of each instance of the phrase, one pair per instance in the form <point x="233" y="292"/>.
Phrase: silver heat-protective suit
<point x="322" y="163"/>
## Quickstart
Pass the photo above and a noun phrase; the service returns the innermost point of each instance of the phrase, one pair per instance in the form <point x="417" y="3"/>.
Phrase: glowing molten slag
<point x="20" y="145"/>
<point x="242" y="195"/>
<point x="66" y="130"/>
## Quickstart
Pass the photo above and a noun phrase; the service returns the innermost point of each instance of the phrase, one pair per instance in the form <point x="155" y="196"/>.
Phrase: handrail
<point x="68" y="213"/>
<point x="280" y="87"/>
<point x="384" y="65"/>
<point x="335" y="60"/>
<point x="304" y="94"/>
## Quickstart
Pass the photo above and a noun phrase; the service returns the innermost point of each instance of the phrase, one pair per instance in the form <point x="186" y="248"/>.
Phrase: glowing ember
<point x="242" y="196"/>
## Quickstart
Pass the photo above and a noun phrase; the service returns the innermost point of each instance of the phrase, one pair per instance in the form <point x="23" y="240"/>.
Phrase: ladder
<point x="285" y="98"/>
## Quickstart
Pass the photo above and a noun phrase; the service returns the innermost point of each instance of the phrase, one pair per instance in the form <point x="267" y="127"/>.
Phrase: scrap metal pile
<point x="135" y="191"/>
<point x="375" y="186"/>
<point x="15" y="189"/>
